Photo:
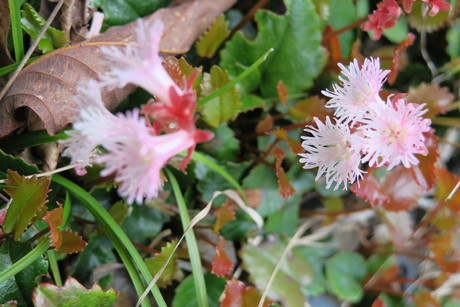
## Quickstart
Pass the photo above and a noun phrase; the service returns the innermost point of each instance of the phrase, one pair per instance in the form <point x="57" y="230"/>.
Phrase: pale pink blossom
<point x="384" y="17"/>
<point x="141" y="64"/>
<point x="394" y="134"/>
<point x="437" y="5"/>
<point x="334" y="151"/>
<point x="358" y="90"/>
<point x="137" y="157"/>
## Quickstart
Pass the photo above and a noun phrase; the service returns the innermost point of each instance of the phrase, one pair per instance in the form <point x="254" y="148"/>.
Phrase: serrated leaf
<point x="32" y="23"/>
<point x="426" y="22"/>
<point x="436" y="98"/>
<point x="222" y="108"/>
<point x="424" y="171"/>
<point x="224" y="215"/>
<point x="55" y="220"/>
<point x="399" y="50"/>
<point x="172" y="270"/>
<point x="310" y="107"/>
<point x="285" y="189"/>
<point x="119" y="211"/>
<point x="120" y="12"/>
<point x="207" y="45"/>
<point x="186" y="294"/>
<point x="20" y="286"/>
<point x="180" y="71"/>
<point x="251" y="102"/>
<point x="298" y="56"/>
<point x="71" y="243"/>
<point x="29" y="198"/>
<point x="295" y="272"/>
<point x="238" y="294"/>
<point x="7" y="162"/>
<point x="221" y="263"/>
<point x="283" y="91"/>
<point x="446" y="183"/>
<point x="73" y="294"/>
<point x="344" y="271"/>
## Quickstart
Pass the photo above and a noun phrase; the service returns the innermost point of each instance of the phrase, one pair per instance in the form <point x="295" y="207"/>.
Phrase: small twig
<point x="260" y="4"/>
<point x="453" y="191"/>
<point x="58" y="170"/>
<point x="351" y="26"/>
<point x="426" y="56"/>
<point x="31" y="49"/>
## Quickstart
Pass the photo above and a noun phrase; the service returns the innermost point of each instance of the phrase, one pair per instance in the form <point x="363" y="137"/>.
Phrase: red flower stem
<point x="351" y="26"/>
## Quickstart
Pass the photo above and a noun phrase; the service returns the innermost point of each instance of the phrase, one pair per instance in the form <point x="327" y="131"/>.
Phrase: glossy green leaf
<point x="29" y="198"/>
<point x="172" y="270"/>
<point x="73" y="294"/>
<point x="298" y="56"/>
<point x="225" y="106"/>
<point x="9" y="162"/>
<point x="224" y="146"/>
<point x="344" y="271"/>
<point x="32" y="23"/>
<point x="207" y="45"/>
<point x="120" y="12"/>
<point x="186" y="294"/>
<point x="341" y="14"/>
<point x="294" y="273"/>
<point x="20" y="286"/>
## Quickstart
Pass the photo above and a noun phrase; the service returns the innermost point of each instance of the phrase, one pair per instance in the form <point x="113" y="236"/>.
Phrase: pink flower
<point x="384" y="17"/>
<point x="437" y="5"/>
<point x="141" y="64"/>
<point x="334" y="150"/>
<point x="358" y="91"/>
<point x="394" y="134"/>
<point x="137" y="157"/>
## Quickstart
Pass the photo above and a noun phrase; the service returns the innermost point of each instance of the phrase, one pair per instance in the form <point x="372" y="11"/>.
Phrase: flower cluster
<point x="388" y="12"/>
<point x="131" y="147"/>
<point x="365" y="128"/>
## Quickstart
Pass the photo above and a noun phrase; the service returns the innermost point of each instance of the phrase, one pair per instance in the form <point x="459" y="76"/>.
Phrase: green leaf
<point x="172" y="270"/>
<point x="225" y="106"/>
<point x="9" y="162"/>
<point x="298" y="57"/>
<point x="97" y="252"/>
<point x="120" y="12"/>
<point x="73" y="294"/>
<point x="33" y="23"/>
<point x="144" y="223"/>
<point x="344" y="271"/>
<point x="453" y="40"/>
<point x="398" y="32"/>
<point x="16" y="29"/>
<point x="208" y="43"/>
<point x="20" y="286"/>
<point x="186" y="294"/>
<point x="294" y="273"/>
<point x="224" y="146"/>
<point x="341" y="14"/>
<point x="250" y="102"/>
<point x="29" y="198"/>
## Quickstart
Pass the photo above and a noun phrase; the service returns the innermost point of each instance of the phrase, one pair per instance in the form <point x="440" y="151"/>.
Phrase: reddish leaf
<point x="310" y="107"/>
<point x="221" y="264"/>
<point x="29" y="198"/>
<point x="55" y="219"/>
<point x="398" y="51"/>
<point x="294" y="145"/>
<point x="445" y="219"/>
<point x="180" y="71"/>
<point x="2" y="219"/>
<point x="47" y="85"/>
<point x="236" y="294"/>
<point x="265" y="124"/>
<point x="443" y="252"/>
<point x="378" y="303"/>
<point x="332" y="44"/>
<point x="283" y="91"/>
<point x="284" y="187"/>
<point x="437" y="98"/>
<point x="424" y="298"/>
<point x="424" y="172"/>
<point x="446" y="183"/>
<point x="369" y="189"/>
<point x="224" y="214"/>
<point x="71" y="243"/>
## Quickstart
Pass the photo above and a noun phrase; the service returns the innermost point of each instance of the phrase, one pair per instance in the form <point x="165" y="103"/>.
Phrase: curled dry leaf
<point x="47" y="85"/>
<point x="437" y="98"/>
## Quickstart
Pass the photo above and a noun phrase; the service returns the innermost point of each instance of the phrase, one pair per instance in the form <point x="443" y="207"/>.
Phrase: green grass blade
<point x="25" y="261"/>
<point x="130" y="256"/>
<point x="198" y="157"/>
<point x="16" y="29"/>
<point x="52" y="258"/>
<point x="232" y="83"/>
<point x="192" y="246"/>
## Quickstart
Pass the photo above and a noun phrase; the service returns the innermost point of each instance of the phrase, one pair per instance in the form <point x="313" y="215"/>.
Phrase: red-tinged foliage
<point x="424" y="298"/>
<point x="384" y="17"/>
<point x="283" y="91"/>
<point x="180" y="71"/>
<point x="396" y="191"/>
<point x="446" y="183"/>
<point x="236" y="294"/>
<point x="332" y="44"/>
<point x="294" y="145"/>
<point x="71" y="243"/>
<point x="424" y="172"/>
<point x="436" y="98"/>
<point x="55" y="220"/>
<point x="444" y="253"/>
<point x="378" y="303"/>
<point x="225" y="214"/>
<point x="284" y="187"/>
<point x="2" y="219"/>
<point x="398" y="51"/>
<point x="265" y="124"/>
<point x="310" y="107"/>
<point x="221" y="263"/>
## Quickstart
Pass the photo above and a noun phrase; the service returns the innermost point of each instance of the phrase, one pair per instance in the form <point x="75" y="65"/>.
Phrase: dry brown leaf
<point x="47" y="85"/>
<point x="5" y="57"/>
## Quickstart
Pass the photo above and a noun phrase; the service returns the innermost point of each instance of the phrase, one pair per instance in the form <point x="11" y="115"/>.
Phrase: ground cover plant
<point x="229" y="153"/>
